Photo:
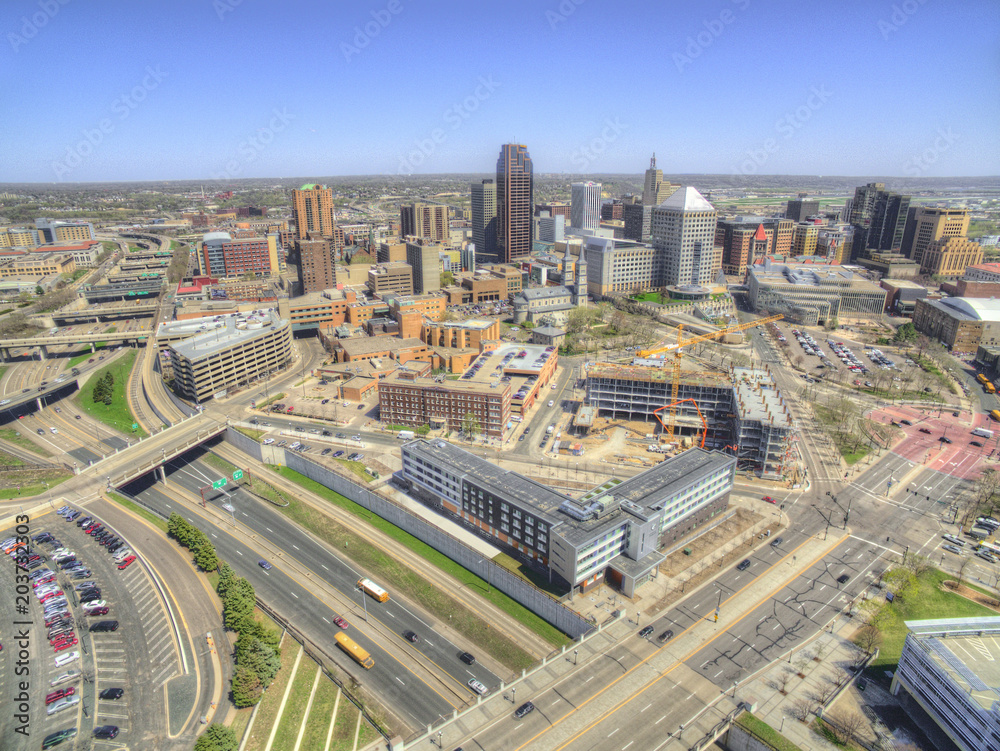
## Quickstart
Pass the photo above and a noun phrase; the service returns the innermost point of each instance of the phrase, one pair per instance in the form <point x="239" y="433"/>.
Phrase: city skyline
<point x="170" y="101"/>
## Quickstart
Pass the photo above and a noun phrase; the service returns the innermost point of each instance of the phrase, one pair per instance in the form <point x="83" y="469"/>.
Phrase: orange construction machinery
<point x="676" y="370"/>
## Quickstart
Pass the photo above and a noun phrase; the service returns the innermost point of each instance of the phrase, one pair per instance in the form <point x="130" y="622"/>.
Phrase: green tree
<point x="178" y="528"/>
<point x="906" y="333"/>
<point x="226" y="577"/>
<point x="260" y="658"/>
<point x="206" y="558"/>
<point x="238" y="605"/>
<point x="268" y="636"/>
<point x="447" y="279"/>
<point x="217" y="738"/>
<point x="470" y="425"/>
<point x="246" y="687"/>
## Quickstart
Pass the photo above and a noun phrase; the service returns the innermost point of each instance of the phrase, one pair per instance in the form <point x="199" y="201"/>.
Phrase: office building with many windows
<point x="585" y="211"/>
<point x="484" y="221"/>
<point x="683" y="227"/>
<point x="614" y="532"/>
<point x="515" y="196"/>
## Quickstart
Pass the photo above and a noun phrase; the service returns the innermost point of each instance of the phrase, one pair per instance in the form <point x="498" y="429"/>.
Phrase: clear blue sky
<point x="854" y="87"/>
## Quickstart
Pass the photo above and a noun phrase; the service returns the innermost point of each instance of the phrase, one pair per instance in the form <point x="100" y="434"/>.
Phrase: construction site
<point x="738" y="410"/>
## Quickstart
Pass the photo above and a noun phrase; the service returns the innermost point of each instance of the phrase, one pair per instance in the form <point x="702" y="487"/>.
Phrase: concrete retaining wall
<point x="523" y="592"/>
<point x="738" y="738"/>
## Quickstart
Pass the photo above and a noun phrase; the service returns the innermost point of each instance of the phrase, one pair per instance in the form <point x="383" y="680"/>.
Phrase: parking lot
<point x="137" y="657"/>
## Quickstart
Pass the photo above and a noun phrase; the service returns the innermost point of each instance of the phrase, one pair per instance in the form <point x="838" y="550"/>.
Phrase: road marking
<point x="268" y="529"/>
<point x="589" y="679"/>
<point x="389" y="614"/>
<point x="718" y="674"/>
<point x="324" y="618"/>
<point x="660" y="720"/>
<point x="215" y="535"/>
<point x="645" y="708"/>
<point x="627" y="745"/>
<point x="294" y="595"/>
<point x="324" y="567"/>
<point x="295" y="546"/>
<point x="613" y="732"/>
<point x="240" y="552"/>
<point x="400" y="682"/>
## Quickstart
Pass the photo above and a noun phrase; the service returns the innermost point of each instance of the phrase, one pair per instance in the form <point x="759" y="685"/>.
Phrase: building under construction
<point x="741" y="410"/>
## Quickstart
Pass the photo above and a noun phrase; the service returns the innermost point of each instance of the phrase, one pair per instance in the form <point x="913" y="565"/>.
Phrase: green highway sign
<point x="220" y="483"/>
<point x="135" y="426"/>
<point x="237" y="475"/>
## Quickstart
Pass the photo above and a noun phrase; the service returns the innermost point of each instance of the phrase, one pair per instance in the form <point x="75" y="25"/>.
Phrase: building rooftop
<point x="993" y="268"/>
<point x="478" y="324"/>
<point x="971" y="308"/>
<point x="651" y="374"/>
<point x="904" y="283"/>
<point x="542" y="293"/>
<point x="758" y="398"/>
<point x="686" y="199"/>
<point x="508" y="361"/>
<point x="369" y="345"/>
<point x="967" y="650"/>
<point x="504" y="483"/>
<point x="211" y="336"/>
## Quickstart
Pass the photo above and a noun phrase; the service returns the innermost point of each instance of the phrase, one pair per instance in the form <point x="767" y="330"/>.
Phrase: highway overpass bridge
<point x="42" y="343"/>
<point x="37" y="397"/>
<point x="97" y="314"/>
<point x="150" y="454"/>
<point x="124" y="292"/>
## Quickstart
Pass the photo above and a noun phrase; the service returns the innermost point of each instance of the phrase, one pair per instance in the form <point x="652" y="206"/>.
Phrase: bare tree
<point x="869" y="637"/>
<point x="800" y="709"/>
<point x="961" y="571"/>
<point x="847" y="725"/>
<point x="782" y="681"/>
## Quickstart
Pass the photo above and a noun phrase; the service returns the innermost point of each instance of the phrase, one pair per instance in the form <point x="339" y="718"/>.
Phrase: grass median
<point x="295" y="708"/>
<point x="138" y="510"/>
<point x="429" y="595"/>
<point x="19" y="439"/>
<point x="267" y="711"/>
<point x="116" y="415"/>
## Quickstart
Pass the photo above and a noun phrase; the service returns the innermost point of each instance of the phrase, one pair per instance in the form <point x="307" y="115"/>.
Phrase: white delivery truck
<point x="406" y="435"/>
<point x="983" y="432"/>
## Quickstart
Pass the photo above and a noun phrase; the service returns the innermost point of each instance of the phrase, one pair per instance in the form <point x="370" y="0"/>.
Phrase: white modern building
<point x="614" y="532"/>
<point x="951" y="668"/>
<point x="683" y="228"/>
<point x="585" y="210"/>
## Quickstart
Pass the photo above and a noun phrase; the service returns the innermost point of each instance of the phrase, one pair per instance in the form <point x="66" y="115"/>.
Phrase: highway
<point x="298" y="558"/>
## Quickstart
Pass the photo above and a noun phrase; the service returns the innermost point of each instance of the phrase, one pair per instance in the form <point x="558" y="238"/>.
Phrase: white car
<point x="478" y="687"/>
<point x="268" y="441"/>
<point x="94" y="604"/>
<point x="67" y="658"/>
<point x="68" y="676"/>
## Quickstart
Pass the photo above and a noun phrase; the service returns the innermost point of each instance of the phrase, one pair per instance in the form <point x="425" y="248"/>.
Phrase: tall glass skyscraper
<point x="515" y="200"/>
<point x="586" y="206"/>
<point x="484" y="221"/>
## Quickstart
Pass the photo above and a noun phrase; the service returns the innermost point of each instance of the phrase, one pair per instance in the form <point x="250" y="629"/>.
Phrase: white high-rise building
<point x="551" y="229"/>
<point x="683" y="229"/>
<point x="585" y="211"/>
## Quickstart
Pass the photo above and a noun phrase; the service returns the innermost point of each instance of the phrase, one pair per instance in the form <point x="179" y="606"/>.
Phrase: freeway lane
<point x="392" y="618"/>
<point x="310" y="554"/>
<point x="414" y="702"/>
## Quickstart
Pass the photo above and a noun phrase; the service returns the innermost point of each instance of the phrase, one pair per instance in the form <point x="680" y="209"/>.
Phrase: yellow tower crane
<point x="676" y="368"/>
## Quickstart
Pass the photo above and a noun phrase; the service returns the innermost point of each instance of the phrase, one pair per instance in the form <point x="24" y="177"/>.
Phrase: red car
<point x="58" y="641"/>
<point x="340" y="622"/>
<point x="126" y="563"/>
<point x="98" y="611"/>
<point x="60" y="694"/>
<point x="40" y="582"/>
<point x="769" y="499"/>
<point x="50" y="595"/>
<point x="66" y="645"/>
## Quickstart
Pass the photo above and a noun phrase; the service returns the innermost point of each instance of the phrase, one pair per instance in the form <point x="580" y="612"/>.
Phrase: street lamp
<point x="574" y="656"/>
